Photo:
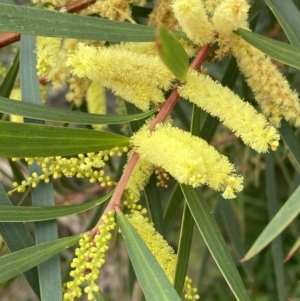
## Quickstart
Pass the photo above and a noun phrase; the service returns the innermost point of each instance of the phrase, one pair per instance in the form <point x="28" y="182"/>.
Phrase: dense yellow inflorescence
<point x="188" y="158"/>
<point x="83" y="166"/>
<point x="96" y="102"/>
<point x="239" y="116"/>
<point x="89" y="259"/>
<point x="194" y="21"/>
<point x="138" y="180"/>
<point x="47" y="50"/>
<point x="138" y="78"/>
<point x="271" y="89"/>
<point x="163" y="253"/>
<point x="163" y="14"/>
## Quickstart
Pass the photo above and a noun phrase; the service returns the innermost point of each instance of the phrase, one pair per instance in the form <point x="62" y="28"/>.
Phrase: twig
<point x="115" y="201"/>
<point x="11" y="37"/>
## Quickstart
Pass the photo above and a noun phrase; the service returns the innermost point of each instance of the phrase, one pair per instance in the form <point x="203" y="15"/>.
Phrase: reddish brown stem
<point x="11" y="37"/>
<point x="196" y="63"/>
<point x="76" y="5"/>
<point x="161" y="117"/>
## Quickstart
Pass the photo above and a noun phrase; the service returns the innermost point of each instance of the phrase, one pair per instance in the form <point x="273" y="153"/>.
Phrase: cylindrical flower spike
<point x="138" y="180"/>
<point x="96" y="102"/>
<point x="187" y="158"/>
<point x="270" y="88"/>
<point x="211" y="5"/>
<point x="138" y="78"/>
<point x="229" y="16"/>
<point x="194" y="21"/>
<point x="239" y="116"/>
<point x="163" y="253"/>
<point x="47" y="50"/>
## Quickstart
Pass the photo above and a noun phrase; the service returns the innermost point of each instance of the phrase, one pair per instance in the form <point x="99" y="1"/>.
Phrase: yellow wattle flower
<point x="194" y="21"/>
<point x="271" y="90"/>
<point x="96" y="102"/>
<point x="47" y="50"/>
<point x="188" y="158"/>
<point x="138" y="78"/>
<point x="138" y="180"/>
<point x="239" y="116"/>
<point x="229" y="16"/>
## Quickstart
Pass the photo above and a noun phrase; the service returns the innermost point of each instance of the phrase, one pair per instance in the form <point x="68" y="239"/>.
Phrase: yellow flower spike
<point x="138" y="78"/>
<point x="211" y="5"/>
<point x="137" y="181"/>
<point x="239" y="116"/>
<point x="196" y="163"/>
<point x="194" y="21"/>
<point x="47" y="51"/>
<point x="163" y="253"/>
<point x="116" y="10"/>
<point x="96" y="102"/>
<point x="229" y="16"/>
<point x="270" y="88"/>
<point x="163" y="14"/>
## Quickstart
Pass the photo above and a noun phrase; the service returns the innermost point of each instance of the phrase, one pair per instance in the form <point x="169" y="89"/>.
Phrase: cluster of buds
<point x="89" y="259"/>
<point x="84" y="166"/>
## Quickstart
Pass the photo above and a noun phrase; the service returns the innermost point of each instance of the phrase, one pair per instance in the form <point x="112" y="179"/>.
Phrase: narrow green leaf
<point x="98" y="296"/>
<point x="39" y="22"/>
<point x="293" y="250"/>
<point x="10" y="106"/>
<point x="34" y="213"/>
<point x="154" y="204"/>
<point x="273" y="206"/>
<point x="184" y="249"/>
<point x="281" y="220"/>
<point x="173" y="204"/>
<point x="154" y="282"/>
<point x="10" y="78"/>
<point x="282" y="52"/>
<point x="18" y="262"/>
<point x="16" y="237"/>
<point x="288" y="16"/>
<point x="34" y="140"/>
<point x="214" y="241"/>
<point x="256" y="8"/>
<point x="49" y="270"/>
<point x="233" y="230"/>
<point x="172" y="53"/>
<point x="290" y="140"/>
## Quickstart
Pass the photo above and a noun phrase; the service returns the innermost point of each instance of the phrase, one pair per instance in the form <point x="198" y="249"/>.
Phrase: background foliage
<point x="271" y="180"/>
